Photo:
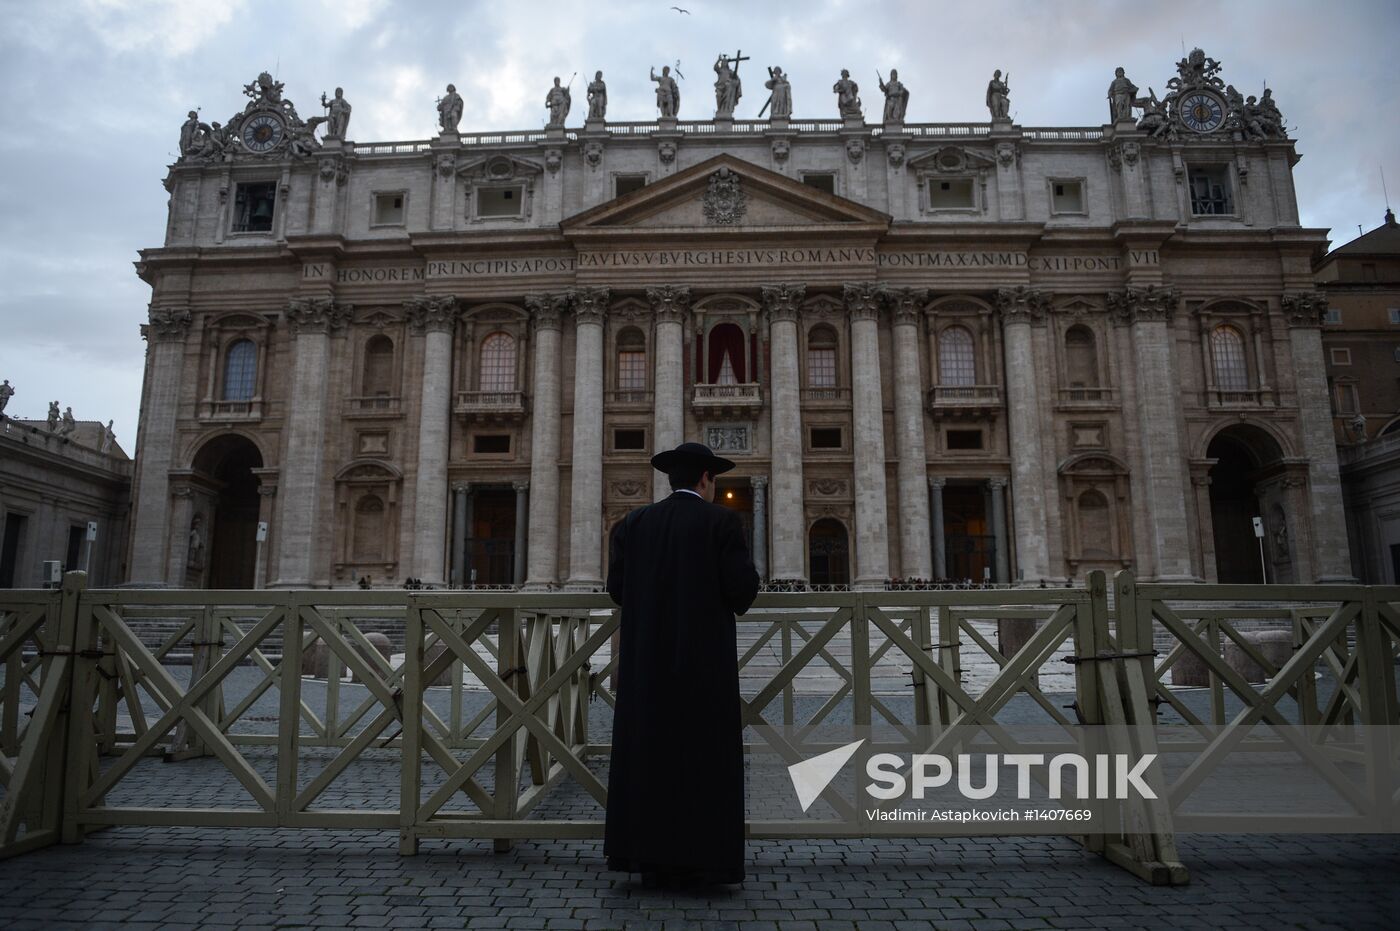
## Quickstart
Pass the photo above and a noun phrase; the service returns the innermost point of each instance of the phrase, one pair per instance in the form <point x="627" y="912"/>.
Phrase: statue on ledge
<point x="1122" y="96"/>
<point x="896" y="97"/>
<point x="449" y="107"/>
<point x="780" y="96"/>
<point x="337" y="114"/>
<point x="597" y="98"/>
<point x="728" y="87"/>
<point x="847" y="96"/>
<point x="559" y="101"/>
<point x="999" y="96"/>
<point x="668" y="95"/>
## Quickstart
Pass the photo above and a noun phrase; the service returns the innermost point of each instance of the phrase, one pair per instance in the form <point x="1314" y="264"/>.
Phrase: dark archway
<point x="1243" y="456"/>
<point x="225" y="465"/>
<point x="829" y="553"/>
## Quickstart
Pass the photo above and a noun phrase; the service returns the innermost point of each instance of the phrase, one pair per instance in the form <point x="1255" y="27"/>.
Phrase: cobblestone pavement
<point x="182" y="877"/>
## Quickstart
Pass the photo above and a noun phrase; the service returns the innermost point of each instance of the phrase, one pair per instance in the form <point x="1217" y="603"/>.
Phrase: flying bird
<point x="679" y="10"/>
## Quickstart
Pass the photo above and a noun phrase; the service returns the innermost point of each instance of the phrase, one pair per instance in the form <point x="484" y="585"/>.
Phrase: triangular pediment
<point x="726" y="194"/>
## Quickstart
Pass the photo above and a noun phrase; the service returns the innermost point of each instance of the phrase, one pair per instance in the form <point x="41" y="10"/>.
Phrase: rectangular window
<point x="1066" y="196"/>
<point x="1341" y="357"/>
<point x="826" y="437"/>
<point x="626" y="184"/>
<point x="1344" y="398"/>
<point x="491" y="444"/>
<point x="631" y="370"/>
<point x="821" y="368"/>
<point x="1210" y="191"/>
<point x="1332" y="315"/>
<point x="253" y="206"/>
<point x="953" y="194"/>
<point x="964" y="439"/>
<point x="821" y="180"/>
<point x="629" y="439"/>
<point x="1395" y="315"/>
<point x="500" y="201"/>
<point x="389" y="209"/>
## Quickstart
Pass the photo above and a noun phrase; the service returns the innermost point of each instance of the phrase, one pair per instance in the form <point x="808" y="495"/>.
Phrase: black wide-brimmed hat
<point x="690" y="454"/>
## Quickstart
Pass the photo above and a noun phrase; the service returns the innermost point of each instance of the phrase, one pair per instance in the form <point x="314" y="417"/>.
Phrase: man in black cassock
<point x="681" y="570"/>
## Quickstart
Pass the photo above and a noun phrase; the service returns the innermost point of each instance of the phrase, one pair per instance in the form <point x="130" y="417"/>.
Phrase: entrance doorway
<point x="1244" y="456"/>
<point x="737" y="495"/>
<point x="490" y="557"/>
<point x="9" y="552"/>
<point x="829" y="553"/>
<point x="968" y="544"/>
<point x="226" y="465"/>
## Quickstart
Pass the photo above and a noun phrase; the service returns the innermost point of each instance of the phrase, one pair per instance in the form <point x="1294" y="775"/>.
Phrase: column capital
<point x="521" y="487"/>
<point x="906" y="304"/>
<point x="1304" y="308"/>
<point x="758" y="482"/>
<point x="936" y="481"/>
<point x="781" y="301"/>
<point x="437" y="314"/>
<point x="997" y="483"/>
<point x="863" y="300"/>
<point x="669" y="302"/>
<point x="317" y="315"/>
<point x="181" y="490"/>
<point x="461" y="487"/>
<point x="1135" y="305"/>
<point x="546" y="309"/>
<point x="589" y="305"/>
<point x="1021" y="304"/>
<point x="169" y="323"/>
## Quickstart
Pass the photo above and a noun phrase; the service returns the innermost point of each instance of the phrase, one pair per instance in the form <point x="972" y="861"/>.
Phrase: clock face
<point x="1202" y="113"/>
<point x="262" y="133"/>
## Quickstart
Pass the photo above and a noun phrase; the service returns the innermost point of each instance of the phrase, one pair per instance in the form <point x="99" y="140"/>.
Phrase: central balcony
<point x="727" y="401"/>
<point x="967" y="402"/>
<point x="491" y="406"/>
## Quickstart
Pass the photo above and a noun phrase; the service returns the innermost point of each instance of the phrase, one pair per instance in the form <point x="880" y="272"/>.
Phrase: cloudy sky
<point x="95" y="91"/>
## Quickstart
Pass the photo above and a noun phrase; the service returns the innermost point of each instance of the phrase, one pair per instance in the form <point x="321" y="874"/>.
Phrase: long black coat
<point x="681" y="570"/>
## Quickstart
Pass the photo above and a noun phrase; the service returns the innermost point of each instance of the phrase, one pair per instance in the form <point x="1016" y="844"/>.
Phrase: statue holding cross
<point x="728" y="88"/>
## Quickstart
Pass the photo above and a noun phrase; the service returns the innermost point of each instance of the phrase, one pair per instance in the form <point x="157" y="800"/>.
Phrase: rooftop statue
<point x="267" y="125"/>
<point x="597" y="98"/>
<point x="449" y="108"/>
<point x="108" y="438"/>
<point x="1122" y="97"/>
<point x="999" y="96"/>
<point x="190" y="133"/>
<point x="53" y="416"/>
<point x="69" y="424"/>
<point x="728" y="87"/>
<point x="847" y="96"/>
<point x="1156" y="118"/>
<point x="559" y="101"/>
<point x="6" y="392"/>
<point x="780" y="94"/>
<point x="896" y="97"/>
<point x="668" y="95"/>
<point x="337" y="114"/>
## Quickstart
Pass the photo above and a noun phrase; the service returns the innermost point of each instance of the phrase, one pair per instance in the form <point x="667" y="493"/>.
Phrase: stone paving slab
<point x="202" y="878"/>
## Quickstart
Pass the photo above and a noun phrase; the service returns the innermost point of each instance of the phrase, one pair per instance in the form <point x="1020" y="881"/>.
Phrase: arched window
<point x="726" y="363"/>
<point x="1081" y="359"/>
<point x="631" y="360"/>
<point x="240" y="371"/>
<point x="1227" y="352"/>
<point x="369" y="529"/>
<point x="821" y="357"/>
<point x="957" y="364"/>
<point x="377" y="378"/>
<point x="497" y="363"/>
<point x="1095" y="531"/>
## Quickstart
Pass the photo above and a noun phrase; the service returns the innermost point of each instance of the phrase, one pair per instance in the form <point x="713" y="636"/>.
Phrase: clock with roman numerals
<point x="263" y="133"/>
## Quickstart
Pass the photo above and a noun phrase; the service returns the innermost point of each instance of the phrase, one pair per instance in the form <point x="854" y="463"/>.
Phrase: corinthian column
<point x="785" y="443"/>
<point x="1148" y="310"/>
<point x="434" y="317"/>
<point x="1331" y="555"/>
<point x="914" y="557"/>
<point x="760" y="525"/>
<point x="312" y="322"/>
<point x="543" y="553"/>
<point x="1020" y="307"/>
<point x="868" y="436"/>
<point x="166" y="333"/>
<point x="670" y="303"/>
<point x="586" y="493"/>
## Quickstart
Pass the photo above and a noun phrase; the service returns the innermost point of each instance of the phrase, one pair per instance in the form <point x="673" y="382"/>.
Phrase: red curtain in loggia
<point x="726" y="338"/>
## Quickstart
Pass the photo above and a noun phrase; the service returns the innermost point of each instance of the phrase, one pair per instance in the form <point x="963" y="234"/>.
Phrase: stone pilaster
<point x="586" y="494"/>
<point x="435" y="318"/>
<point x="868" y="436"/>
<point x="1002" y="569"/>
<point x="1019" y="308"/>
<point x="789" y="526"/>
<point x="543" y="567"/>
<point x="181" y="516"/>
<point x="906" y="307"/>
<point x="312" y="322"/>
<point x="940" y="552"/>
<point x="670" y="304"/>
<point x="1148" y="311"/>
<point x="759" y="484"/>
<point x="1331" y="552"/>
<point x="166" y="334"/>
<point x="522" y="511"/>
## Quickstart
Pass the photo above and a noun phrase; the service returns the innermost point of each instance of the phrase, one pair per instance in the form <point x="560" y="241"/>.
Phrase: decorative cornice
<point x="431" y="314"/>
<point x="1022" y="304"/>
<point x="1138" y="305"/>
<point x="863" y="300"/>
<point x="317" y="315"/>
<point x="546" y="309"/>
<point x="1304" y="308"/>
<point x="781" y="301"/>
<point x="169" y="323"/>
<point x="590" y="305"/>
<point x="669" y="302"/>
<point x="906" y="304"/>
